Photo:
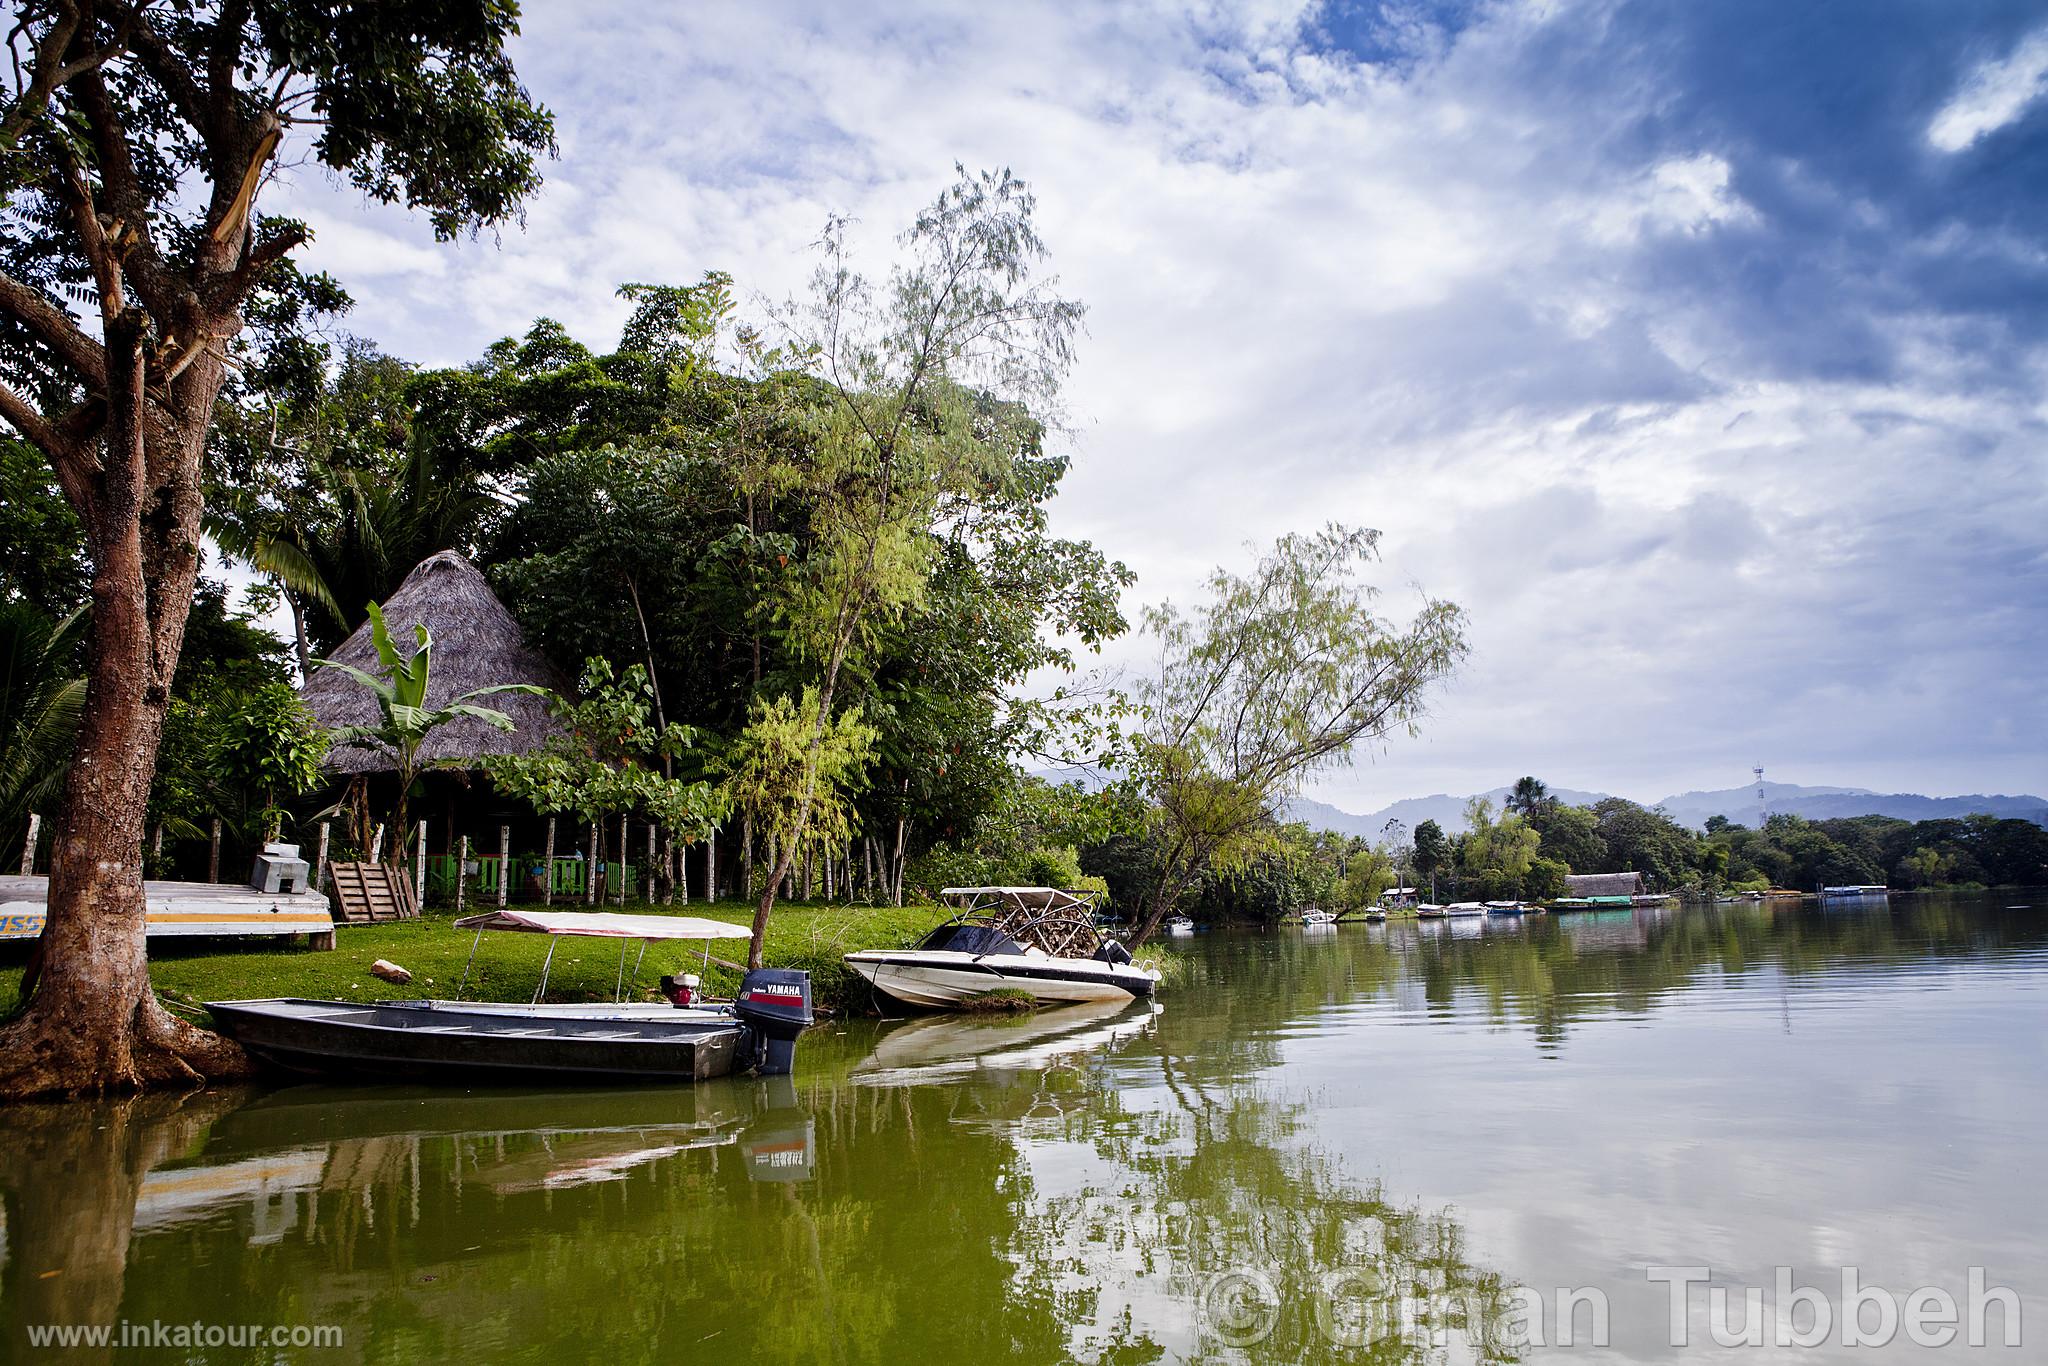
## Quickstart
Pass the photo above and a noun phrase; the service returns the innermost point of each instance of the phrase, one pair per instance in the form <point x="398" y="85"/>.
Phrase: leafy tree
<point x="1545" y="879"/>
<point x="1647" y="841"/>
<point x="796" y="786"/>
<point x="405" y="720"/>
<point x="1432" y="852"/>
<point x="1571" y="835"/>
<point x="1495" y="855"/>
<point x="269" y="743"/>
<point x="42" y="547"/>
<point x="133" y="146"/>
<point x="924" y="384"/>
<point x="1368" y="874"/>
<point x="1281" y="674"/>
<point x="611" y="757"/>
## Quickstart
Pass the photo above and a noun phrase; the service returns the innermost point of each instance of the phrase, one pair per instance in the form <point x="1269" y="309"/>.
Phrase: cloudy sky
<point x="1697" y="349"/>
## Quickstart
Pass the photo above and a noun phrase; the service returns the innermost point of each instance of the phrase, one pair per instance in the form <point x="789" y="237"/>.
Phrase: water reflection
<point x="1309" y="1143"/>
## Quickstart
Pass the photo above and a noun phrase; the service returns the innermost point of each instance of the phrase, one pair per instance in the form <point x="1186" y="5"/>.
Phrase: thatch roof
<point x="1605" y="884"/>
<point x="476" y="644"/>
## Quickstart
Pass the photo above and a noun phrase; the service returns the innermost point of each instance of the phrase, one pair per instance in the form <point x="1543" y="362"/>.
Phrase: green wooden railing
<point x="568" y="878"/>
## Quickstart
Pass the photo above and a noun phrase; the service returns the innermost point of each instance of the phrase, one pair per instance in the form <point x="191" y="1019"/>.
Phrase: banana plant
<point x="400" y="687"/>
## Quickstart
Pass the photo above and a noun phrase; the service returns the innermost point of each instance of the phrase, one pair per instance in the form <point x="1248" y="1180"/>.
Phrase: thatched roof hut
<point x="1605" y="884"/>
<point x="476" y="644"/>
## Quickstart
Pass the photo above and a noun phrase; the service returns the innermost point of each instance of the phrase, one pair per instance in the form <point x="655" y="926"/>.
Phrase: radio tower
<point x="1762" y="811"/>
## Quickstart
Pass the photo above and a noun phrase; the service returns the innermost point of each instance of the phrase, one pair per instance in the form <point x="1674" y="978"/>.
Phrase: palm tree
<point x="41" y="697"/>
<point x="1528" y="797"/>
<point x="400" y="688"/>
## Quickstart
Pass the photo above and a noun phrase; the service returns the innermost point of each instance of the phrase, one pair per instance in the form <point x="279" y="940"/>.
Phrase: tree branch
<point x="56" y="329"/>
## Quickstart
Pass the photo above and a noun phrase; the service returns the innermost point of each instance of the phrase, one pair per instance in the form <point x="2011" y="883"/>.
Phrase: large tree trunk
<point x="93" y="1025"/>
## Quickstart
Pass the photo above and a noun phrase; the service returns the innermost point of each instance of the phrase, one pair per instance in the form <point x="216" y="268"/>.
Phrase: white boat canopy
<point x="606" y="925"/>
<point x="597" y="925"/>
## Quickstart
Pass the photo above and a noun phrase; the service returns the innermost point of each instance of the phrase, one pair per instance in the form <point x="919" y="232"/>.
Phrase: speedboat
<point x="1315" y="915"/>
<point x="1457" y="908"/>
<point x="1179" y="924"/>
<point x="688" y="1039"/>
<point x="1040" y="940"/>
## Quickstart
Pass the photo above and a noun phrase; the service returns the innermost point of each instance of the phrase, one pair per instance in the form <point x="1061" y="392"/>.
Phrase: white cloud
<point x="1422" y="300"/>
<point x="1994" y="95"/>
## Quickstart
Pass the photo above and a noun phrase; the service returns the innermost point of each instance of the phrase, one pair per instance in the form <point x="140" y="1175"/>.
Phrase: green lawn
<point x="508" y="965"/>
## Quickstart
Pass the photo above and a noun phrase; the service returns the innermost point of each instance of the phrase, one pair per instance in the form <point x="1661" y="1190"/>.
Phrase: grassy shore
<point x="508" y="966"/>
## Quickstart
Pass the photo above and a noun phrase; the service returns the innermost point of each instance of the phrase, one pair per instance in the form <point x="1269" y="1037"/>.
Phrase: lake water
<point x="1371" y="1144"/>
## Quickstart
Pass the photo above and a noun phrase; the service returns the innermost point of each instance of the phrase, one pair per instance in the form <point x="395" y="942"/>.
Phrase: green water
<point x="1351" y="1145"/>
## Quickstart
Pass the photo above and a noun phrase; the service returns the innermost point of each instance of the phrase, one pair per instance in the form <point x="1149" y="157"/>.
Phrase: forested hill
<point x="1737" y="804"/>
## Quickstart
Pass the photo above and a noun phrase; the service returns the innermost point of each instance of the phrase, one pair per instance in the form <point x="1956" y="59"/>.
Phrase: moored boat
<point x="1315" y="916"/>
<point x="1040" y="940"/>
<point x="1461" y="908"/>
<point x="1430" y="911"/>
<point x="617" y="1041"/>
<point x="1179" y="924"/>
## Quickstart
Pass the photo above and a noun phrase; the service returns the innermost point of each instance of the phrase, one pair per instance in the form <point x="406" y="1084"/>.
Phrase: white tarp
<point x="606" y="925"/>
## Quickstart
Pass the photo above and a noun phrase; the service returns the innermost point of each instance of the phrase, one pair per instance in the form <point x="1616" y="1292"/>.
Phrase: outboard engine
<point x="1113" y="953"/>
<point x="775" y="1005"/>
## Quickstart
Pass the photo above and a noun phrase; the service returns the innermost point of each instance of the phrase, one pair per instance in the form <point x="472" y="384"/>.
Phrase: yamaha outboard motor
<point x="775" y="1006"/>
<point x="1113" y="953"/>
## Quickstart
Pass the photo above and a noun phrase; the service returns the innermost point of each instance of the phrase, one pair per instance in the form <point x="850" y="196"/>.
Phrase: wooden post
<point x="377" y="843"/>
<point x="590" y="869"/>
<point x="461" y="862"/>
<point x="28" y="847"/>
<point x="213" y="858"/>
<point x="156" y="849"/>
<point x="547" y="878"/>
<point x="319" y="860"/>
<point x="419" y="869"/>
<point x="504" y="861"/>
<point x="711" y="870"/>
<point x="622" y="861"/>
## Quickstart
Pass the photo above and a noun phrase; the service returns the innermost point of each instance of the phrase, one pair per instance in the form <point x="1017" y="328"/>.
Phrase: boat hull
<point x="390" y="1041"/>
<point x="940" y="980"/>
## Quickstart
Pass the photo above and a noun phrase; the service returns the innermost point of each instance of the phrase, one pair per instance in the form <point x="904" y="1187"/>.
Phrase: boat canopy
<point x="1018" y="898"/>
<point x="606" y="925"/>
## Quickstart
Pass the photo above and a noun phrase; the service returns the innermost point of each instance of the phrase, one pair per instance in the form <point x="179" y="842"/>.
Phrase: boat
<point x="1458" y="908"/>
<point x="1430" y="911"/>
<point x="1506" y="908"/>
<point x="1179" y="924"/>
<point x="1316" y="916"/>
<point x="1041" y="940"/>
<point x="685" y="1039"/>
<point x="1375" y="915"/>
<point x="1855" y="891"/>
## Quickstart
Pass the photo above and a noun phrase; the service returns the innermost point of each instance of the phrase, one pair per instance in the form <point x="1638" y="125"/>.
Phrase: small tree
<point x="795" y="783"/>
<point x="269" y="744"/>
<point x="610" y="757"/>
<point x="1282" y="673"/>
<point x="922" y="387"/>
<point x="1432" y="852"/>
<point x="405" y="720"/>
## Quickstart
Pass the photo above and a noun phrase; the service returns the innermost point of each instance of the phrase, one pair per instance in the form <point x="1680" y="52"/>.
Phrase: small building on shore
<point x="476" y="644"/>
<point x="1604" y="884"/>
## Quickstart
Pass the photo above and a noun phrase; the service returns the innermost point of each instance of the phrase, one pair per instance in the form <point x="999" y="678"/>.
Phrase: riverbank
<point x="508" y="966"/>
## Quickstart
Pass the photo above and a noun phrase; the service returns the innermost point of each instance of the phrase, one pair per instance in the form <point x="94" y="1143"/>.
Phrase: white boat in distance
<point x="1037" y="939"/>
<point x="1179" y="924"/>
<point x="1315" y="915"/>
<point x="1466" y="908"/>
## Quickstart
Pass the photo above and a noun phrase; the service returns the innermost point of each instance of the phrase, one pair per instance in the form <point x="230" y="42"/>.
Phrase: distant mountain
<point x="1738" y="804"/>
<point x="1447" y="811"/>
